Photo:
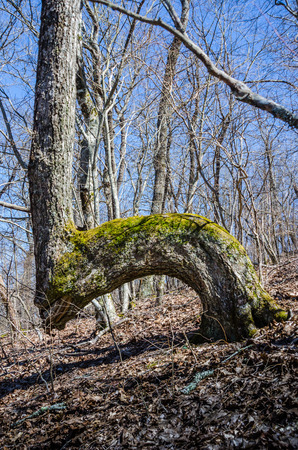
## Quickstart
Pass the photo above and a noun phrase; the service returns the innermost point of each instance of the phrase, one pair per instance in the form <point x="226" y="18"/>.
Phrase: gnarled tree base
<point x="189" y="247"/>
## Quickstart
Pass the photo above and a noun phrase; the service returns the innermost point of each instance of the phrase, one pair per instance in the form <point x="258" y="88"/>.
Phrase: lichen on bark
<point x="189" y="247"/>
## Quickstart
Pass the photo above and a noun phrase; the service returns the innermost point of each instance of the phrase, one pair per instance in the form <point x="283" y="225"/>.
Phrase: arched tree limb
<point x="73" y="267"/>
<point x="240" y="90"/>
<point x="189" y="247"/>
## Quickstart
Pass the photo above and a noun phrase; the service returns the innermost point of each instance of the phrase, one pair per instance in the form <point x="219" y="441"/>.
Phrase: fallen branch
<point x="199" y="376"/>
<point x="39" y="412"/>
<point x="101" y="333"/>
<point x="236" y="353"/>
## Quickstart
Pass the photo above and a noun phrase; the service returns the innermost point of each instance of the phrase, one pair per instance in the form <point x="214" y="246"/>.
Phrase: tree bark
<point x="189" y="247"/>
<point x="217" y="167"/>
<point x="50" y="162"/>
<point x="88" y="182"/>
<point x="163" y="141"/>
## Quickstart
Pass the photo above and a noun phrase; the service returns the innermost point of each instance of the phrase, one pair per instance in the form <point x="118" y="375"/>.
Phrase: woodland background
<point x="155" y="133"/>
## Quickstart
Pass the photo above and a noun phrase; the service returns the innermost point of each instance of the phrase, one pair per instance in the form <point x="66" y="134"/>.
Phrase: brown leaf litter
<point x="132" y="395"/>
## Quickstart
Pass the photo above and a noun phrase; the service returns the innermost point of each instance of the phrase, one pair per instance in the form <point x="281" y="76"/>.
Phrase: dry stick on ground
<point x="190" y="347"/>
<point x="281" y="265"/>
<point x="43" y="409"/>
<point x="199" y="376"/>
<point x="99" y="335"/>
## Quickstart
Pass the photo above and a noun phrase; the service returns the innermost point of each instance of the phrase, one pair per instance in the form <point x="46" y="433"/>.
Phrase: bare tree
<point x="238" y="88"/>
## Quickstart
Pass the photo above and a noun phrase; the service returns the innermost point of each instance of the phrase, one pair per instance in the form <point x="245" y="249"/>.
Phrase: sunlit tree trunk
<point x="90" y="131"/>
<point x="51" y="155"/>
<point x="163" y="136"/>
<point x="188" y="247"/>
<point x="217" y="167"/>
<point x="162" y="131"/>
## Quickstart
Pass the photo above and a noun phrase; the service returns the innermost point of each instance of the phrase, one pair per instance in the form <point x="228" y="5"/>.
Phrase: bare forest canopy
<point x="172" y="107"/>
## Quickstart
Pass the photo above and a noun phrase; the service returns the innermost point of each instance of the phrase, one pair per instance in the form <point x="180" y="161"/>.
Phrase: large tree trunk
<point x="50" y="163"/>
<point x="189" y="247"/>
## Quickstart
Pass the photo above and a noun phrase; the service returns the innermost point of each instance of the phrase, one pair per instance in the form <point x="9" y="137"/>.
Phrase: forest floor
<point x="145" y="387"/>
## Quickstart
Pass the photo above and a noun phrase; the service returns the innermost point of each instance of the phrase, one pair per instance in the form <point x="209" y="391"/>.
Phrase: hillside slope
<point x="132" y="389"/>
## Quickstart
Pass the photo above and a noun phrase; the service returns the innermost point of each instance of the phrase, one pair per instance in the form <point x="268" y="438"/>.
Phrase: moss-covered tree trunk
<point x="189" y="247"/>
<point x="73" y="267"/>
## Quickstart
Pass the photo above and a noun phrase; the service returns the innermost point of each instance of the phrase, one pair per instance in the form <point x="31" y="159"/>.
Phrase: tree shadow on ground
<point x="110" y="355"/>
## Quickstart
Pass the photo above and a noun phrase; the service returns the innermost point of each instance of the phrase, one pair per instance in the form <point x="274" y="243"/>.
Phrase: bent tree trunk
<point x="189" y="247"/>
<point x="74" y="267"/>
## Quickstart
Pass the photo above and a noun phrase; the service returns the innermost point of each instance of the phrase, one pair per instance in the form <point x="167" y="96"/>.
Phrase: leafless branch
<point x="11" y="139"/>
<point x="16" y="207"/>
<point x="240" y="90"/>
